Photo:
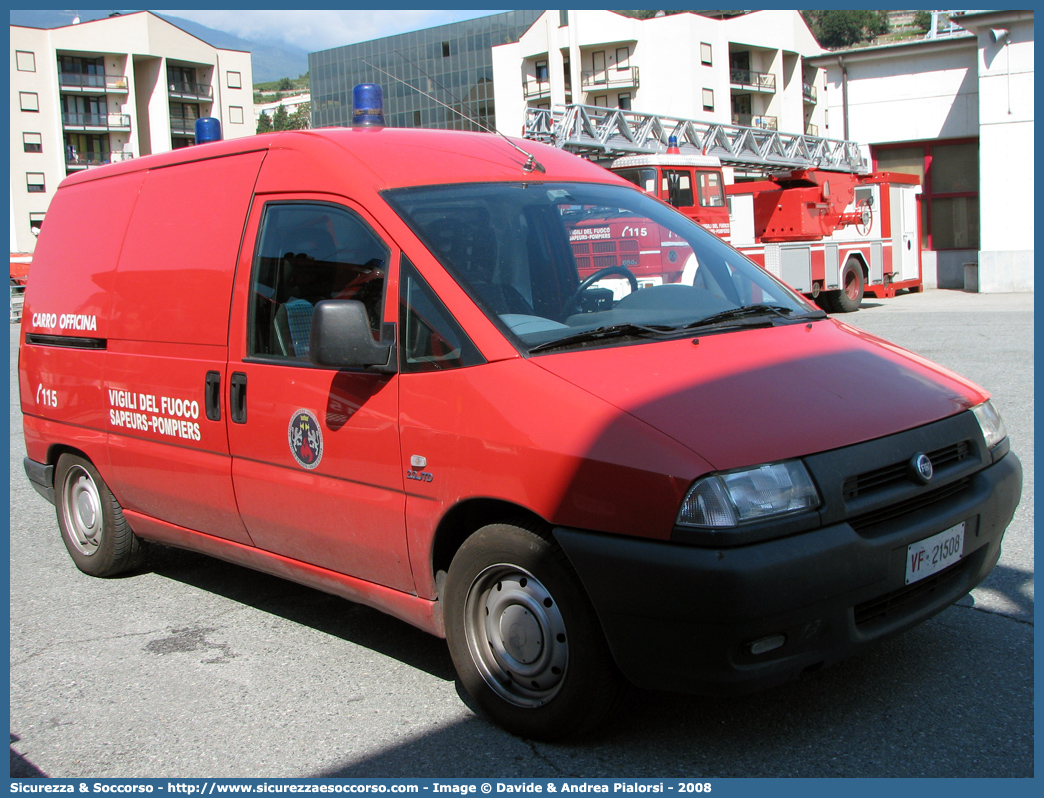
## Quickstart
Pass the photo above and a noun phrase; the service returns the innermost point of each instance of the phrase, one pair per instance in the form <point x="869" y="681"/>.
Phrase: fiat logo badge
<point x="922" y="467"/>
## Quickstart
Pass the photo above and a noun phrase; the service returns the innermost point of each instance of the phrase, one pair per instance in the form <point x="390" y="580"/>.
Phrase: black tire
<point x="850" y="297"/>
<point x="524" y="637"/>
<point x="98" y="537"/>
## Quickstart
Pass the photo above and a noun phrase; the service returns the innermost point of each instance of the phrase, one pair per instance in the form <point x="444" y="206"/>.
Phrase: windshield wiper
<point x="751" y="311"/>
<point x="602" y="333"/>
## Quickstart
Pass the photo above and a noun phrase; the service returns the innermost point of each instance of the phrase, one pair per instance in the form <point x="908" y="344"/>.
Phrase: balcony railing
<point x="812" y="130"/>
<point x="763" y="122"/>
<point x="613" y="78"/>
<point x="761" y="81"/>
<point x="75" y="160"/>
<point x="196" y="91"/>
<point x="186" y="127"/>
<point x="535" y="89"/>
<point x="107" y="121"/>
<point x="84" y="160"/>
<point x="105" y="83"/>
<point x="808" y="92"/>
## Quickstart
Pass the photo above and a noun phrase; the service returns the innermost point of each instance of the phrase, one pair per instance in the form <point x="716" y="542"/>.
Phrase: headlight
<point x="749" y="494"/>
<point x="990" y="423"/>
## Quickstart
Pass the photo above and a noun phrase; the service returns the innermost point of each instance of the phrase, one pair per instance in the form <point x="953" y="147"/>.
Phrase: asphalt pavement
<point x="197" y="668"/>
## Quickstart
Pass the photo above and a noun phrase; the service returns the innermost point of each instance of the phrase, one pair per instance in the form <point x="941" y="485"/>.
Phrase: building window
<point x="235" y="114"/>
<point x="949" y="200"/>
<point x="32" y="142"/>
<point x="541" y="71"/>
<point x="35" y="182"/>
<point x="624" y="101"/>
<point x="234" y="80"/>
<point x="29" y="101"/>
<point x="25" y="61"/>
<point x="708" y="99"/>
<point x="563" y="18"/>
<point x="705" y="54"/>
<point x="445" y="49"/>
<point x="623" y="57"/>
<point x="35" y="223"/>
<point x="603" y="101"/>
<point x="416" y="118"/>
<point x="598" y="64"/>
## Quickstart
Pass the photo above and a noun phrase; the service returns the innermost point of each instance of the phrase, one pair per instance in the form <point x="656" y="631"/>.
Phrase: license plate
<point x="931" y="555"/>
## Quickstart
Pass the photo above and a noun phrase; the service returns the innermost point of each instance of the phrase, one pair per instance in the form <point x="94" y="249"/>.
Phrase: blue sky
<point x="319" y="30"/>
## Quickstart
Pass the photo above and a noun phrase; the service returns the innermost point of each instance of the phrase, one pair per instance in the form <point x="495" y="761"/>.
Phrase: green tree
<point x="923" y="20"/>
<point x="264" y="123"/>
<point x="838" y="28"/>
<point x="286" y="85"/>
<point x="301" y="119"/>
<point x="280" y="118"/>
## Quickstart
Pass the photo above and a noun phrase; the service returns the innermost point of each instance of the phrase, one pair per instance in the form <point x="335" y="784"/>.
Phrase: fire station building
<point x="957" y="111"/>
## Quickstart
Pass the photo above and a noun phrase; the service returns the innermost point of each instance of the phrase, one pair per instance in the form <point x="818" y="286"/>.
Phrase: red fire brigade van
<point x="367" y="360"/>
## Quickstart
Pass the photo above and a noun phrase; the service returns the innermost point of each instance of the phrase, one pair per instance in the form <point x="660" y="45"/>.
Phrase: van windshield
<point x="560" y="265"/>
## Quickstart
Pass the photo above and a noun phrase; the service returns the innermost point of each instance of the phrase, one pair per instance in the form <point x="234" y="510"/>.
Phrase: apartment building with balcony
<point x="750" y="70"/>
<point x="94" y="93"/>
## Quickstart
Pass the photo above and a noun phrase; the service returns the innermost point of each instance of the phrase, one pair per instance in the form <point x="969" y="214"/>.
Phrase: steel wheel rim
<point x="851" y="285"/>
<point x="82" y="510"/>
<point x="516" y="635"/>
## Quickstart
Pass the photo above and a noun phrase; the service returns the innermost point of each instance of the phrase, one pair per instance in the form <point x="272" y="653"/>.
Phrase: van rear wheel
<point x="524" y="638"/>
<point x="95" y="532"/>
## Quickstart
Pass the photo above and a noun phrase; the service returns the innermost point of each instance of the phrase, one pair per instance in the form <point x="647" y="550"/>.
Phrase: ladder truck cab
<point x="833" y="236"/>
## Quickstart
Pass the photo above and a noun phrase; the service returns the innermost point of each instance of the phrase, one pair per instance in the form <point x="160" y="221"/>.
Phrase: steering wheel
<point x="573" y="301"/>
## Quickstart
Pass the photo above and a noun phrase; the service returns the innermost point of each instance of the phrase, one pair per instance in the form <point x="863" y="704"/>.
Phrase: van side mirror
<point x="341" y="338"/>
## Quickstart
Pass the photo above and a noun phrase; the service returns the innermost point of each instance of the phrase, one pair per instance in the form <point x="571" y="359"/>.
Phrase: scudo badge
<point x="922" y="467"/>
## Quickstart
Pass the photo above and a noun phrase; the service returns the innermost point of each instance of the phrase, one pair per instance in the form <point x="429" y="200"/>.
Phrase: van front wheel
<point x="98" y="537"/>
<point x="523" y="636"/>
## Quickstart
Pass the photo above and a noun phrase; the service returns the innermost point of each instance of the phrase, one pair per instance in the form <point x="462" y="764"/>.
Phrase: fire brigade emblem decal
<point x="305" y="437"/>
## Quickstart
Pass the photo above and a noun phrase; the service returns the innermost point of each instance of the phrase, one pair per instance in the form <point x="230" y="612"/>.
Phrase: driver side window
<point x="307" y="253"/>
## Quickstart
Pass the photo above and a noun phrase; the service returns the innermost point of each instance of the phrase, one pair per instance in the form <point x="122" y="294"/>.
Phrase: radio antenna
<point x="531" y="161"/>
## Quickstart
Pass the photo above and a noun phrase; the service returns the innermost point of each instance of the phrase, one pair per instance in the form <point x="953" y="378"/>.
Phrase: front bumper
<point x="682" y="617"/>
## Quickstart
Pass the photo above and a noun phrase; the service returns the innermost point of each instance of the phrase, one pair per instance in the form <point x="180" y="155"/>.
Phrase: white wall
<point x="905" y="94"/>
<point x="1006" y="152"/>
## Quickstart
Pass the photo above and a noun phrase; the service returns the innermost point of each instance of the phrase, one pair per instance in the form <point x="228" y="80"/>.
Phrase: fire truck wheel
<point x="850" y="297"/>
<point x="98" y="537"/>
<point x="524" y="638"/>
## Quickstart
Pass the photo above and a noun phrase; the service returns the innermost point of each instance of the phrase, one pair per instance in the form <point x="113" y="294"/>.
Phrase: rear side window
<point x="309" y="252"/>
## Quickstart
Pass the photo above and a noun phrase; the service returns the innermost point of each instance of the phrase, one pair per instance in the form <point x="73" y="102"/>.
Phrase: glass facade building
<point x="439" y="77"/>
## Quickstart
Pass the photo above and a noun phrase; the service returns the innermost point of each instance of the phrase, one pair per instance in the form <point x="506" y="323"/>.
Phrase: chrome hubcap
<point x="83" y="516"/>
<point x="516" y="635"/>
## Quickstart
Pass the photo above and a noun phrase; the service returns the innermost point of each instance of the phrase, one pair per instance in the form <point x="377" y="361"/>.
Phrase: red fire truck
<point x="819" y="220"/>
